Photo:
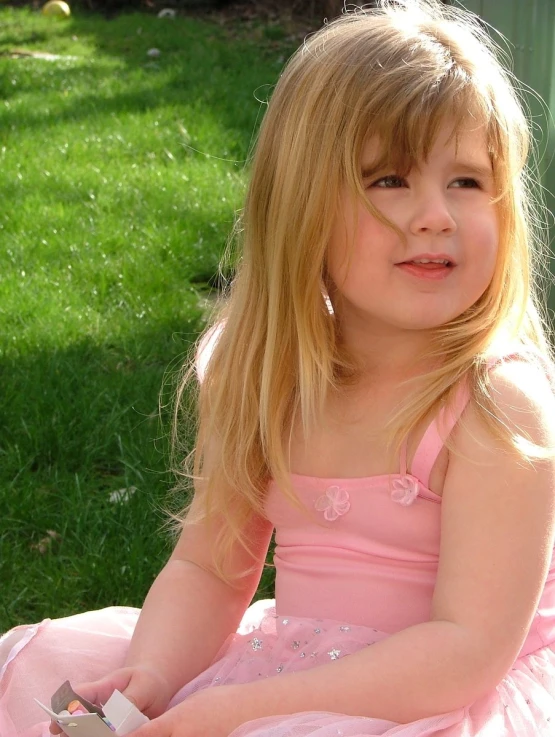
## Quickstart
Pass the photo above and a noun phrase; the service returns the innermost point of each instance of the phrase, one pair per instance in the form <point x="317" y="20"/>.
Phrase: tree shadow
<point x="199" y="68"/>
<point x="79" y="424"/>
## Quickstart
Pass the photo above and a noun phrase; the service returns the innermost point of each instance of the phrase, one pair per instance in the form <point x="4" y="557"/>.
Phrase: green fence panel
<point x="528" y="30"/>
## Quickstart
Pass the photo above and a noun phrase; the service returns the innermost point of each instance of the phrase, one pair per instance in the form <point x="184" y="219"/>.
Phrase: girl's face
<point x="444" y="209"/>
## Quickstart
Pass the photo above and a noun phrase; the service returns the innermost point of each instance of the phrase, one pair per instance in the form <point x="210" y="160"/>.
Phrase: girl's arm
<point x="498" y="530"/>
<point x="187" y="615"/>
<point x="189" y="611"/>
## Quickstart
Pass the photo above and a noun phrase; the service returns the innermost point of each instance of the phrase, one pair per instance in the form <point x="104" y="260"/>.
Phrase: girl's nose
<point x="431" y="214"/>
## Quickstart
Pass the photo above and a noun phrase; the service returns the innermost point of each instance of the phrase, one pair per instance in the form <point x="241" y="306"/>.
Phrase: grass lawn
<point x="121" y="173"/>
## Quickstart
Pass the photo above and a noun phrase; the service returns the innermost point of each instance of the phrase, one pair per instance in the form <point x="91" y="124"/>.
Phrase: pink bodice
<point x="377" y="561"/>
<point x="366" y="550"/>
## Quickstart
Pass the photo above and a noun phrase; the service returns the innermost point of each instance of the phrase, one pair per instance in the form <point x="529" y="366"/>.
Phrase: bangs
<point x="407" y="128"/>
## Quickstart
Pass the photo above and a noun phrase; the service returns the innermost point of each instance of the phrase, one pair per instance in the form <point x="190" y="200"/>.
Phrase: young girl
<point x="378" y="390"/>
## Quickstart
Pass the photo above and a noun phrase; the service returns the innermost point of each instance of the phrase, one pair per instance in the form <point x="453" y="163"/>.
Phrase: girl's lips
<point x="426" y="271"/>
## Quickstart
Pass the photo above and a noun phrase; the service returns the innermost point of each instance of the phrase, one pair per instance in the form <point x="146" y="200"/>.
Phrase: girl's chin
<point x="426" y="322"/>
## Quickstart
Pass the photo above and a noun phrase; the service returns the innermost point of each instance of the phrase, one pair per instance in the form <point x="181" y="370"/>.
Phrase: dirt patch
<point x="294" y="14"/>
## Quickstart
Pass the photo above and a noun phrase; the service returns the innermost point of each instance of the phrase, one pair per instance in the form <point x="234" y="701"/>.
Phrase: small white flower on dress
<point x="285" y="621"/>
<point x="256" y="644"/>
<point x="344" y="628"/>
<point x="279" y="668"/>
<point x="302" y="655"/>
<point x="405" y="490"/>
<point x="334" y="503"/>
<point x="334" y="654"/>
<point x="296" y="644"/>
<point x="317" y="631"/>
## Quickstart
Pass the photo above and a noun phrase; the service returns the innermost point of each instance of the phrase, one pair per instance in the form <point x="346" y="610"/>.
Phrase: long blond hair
<point x="397" y="72"/>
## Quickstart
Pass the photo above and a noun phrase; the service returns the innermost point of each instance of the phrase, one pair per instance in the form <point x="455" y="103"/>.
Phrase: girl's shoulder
<point x="521" y="388"/>
<point x="521" y="369"/>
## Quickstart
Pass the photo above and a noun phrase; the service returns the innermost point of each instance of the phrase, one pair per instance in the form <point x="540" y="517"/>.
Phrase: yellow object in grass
<point x="57" y="8"/>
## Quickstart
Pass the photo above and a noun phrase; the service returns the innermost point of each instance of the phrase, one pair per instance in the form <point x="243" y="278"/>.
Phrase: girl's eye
<point x="465" y="183"/>
<point x="390" y="182"/>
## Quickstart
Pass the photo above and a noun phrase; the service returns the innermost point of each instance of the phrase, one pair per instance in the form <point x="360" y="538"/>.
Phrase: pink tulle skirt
<point x="35" y="660"/>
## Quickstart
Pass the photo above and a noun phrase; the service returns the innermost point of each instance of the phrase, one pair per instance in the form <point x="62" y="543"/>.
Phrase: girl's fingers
<point x="156" y="728"/>
<point x="100" y="691"/>
<point x="141" y="686"/>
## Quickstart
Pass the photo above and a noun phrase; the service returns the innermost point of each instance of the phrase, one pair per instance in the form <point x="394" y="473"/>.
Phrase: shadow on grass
<point x="77" y="425"/>
<point x="198" y="68"/>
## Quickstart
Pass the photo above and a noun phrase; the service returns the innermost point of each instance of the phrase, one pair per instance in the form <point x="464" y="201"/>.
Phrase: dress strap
<point x="441" y="426"/>
<point x="434" y="438"/>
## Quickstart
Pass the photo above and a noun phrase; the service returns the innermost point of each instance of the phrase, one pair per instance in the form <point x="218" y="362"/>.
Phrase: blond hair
<point x="397" y="72"/>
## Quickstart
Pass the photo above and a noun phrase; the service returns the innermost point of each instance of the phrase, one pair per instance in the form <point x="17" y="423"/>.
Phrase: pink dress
<point x="358" y="566"/>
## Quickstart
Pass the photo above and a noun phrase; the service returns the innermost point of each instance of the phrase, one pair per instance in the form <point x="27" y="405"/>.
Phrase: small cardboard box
<point x="119" y="711"/>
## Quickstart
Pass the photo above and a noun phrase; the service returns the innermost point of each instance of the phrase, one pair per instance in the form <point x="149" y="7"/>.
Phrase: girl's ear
<point x="327" y="301"/>
<point x="206" y="348"/>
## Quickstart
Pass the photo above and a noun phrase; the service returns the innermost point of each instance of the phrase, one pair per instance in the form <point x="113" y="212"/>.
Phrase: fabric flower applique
<point x="405" y="490"/>
<point x="334" y="503"/>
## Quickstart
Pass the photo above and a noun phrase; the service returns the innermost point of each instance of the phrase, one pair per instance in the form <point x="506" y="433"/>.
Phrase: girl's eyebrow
<point x="470" y="168"/>
<point x="371" y="170"/>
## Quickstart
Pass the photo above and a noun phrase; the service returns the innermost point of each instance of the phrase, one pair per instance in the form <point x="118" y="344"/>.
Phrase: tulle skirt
<point x="35" y="660"/>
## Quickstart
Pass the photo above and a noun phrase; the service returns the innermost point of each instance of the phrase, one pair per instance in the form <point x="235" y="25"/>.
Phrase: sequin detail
<point x="334" y="503"/>
<point x="279" y="668"/>
<point x="317" y="631"/>
<point x="405" y="490"/>
<point x="334" y="654"/>
<point x="296" y="644"/>
<point x="344" y="628"/>
<point x="256" y="644"/>
<point x="285" y="621"/>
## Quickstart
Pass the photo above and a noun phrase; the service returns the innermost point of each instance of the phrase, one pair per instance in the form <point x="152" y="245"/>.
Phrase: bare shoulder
<point x="524" y="408"/>
<point x="521" y="382"/>
<point x="524" y="399"/>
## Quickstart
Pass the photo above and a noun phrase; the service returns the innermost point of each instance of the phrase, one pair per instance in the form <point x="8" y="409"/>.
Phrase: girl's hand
<point x="212" y="712"/>
<point x="145" y="687"/>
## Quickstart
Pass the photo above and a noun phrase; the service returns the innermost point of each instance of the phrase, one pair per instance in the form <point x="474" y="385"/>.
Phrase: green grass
<point x="121" y="174"/>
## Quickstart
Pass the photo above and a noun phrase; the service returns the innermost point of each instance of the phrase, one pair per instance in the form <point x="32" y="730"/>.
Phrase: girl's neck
<point x="388" y="357"/>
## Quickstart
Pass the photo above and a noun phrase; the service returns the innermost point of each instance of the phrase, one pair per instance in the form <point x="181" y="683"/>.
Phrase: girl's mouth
<point x="427" y="267"/>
